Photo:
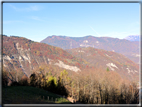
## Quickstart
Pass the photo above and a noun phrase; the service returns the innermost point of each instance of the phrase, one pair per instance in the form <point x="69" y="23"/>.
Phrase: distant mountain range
<point x="133" y="38"/>
<point x="21" y="56"/>
<point x="128" y="48"/>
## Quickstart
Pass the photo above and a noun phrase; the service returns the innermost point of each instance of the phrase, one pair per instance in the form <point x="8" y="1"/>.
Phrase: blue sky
<point x="36" y="21"/>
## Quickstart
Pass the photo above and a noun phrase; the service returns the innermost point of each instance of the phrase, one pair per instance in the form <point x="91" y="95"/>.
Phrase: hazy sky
<point x="36" y="21"/>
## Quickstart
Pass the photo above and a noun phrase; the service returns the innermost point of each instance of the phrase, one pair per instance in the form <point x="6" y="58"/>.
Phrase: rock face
<point x="21" y="56"/>
<point x="72" y="68"/>
<point x="123" y="46"/>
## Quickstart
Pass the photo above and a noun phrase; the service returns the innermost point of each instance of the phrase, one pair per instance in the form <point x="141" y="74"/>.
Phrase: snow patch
<point x="72" y="68"/>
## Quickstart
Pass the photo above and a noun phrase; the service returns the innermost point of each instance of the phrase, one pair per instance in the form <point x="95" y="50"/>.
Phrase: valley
<point x="71" y="53"/>
<point x="93" y="74"/>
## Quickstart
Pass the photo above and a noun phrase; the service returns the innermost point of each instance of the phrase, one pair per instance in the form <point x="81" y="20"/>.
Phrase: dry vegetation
<point x="92" y="86"/>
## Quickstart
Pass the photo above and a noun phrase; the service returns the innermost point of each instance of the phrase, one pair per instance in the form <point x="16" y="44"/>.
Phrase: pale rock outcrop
<point x="72" y="68"/>
<point x="110" y="65"/>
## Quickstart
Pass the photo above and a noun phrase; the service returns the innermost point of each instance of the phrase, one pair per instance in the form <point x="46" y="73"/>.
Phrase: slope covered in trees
<point x="92" y="87"/>
<point x="29" y="63"/>
<point x="109" y="61"/>
<point x="21" y="56"/>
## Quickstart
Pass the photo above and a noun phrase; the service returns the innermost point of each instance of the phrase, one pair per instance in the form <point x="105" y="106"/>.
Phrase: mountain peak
<point x="123" y="46"/>
<point x="133" y="38"/>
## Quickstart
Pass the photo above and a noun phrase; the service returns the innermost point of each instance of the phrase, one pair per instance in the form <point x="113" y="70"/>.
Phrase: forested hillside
<point x="93" y="87"/>
<point x="29" y="63"/>
<point x="22" y="56"/>
<point x="109" y="61"/>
